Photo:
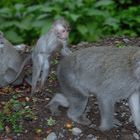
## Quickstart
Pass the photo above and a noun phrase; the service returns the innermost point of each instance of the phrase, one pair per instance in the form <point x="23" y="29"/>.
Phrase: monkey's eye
<point x="63" y="30"/>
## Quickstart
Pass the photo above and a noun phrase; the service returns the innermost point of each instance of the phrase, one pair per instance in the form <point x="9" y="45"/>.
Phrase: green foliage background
<point x="24" y="21"/>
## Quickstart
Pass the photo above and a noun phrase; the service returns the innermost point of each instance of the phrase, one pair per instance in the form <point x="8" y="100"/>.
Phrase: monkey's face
<point x="62" y="32"/>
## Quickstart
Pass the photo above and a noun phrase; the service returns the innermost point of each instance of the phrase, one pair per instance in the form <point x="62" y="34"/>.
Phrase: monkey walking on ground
<point x="110" y="74"/>
<point x="57" y="37"/>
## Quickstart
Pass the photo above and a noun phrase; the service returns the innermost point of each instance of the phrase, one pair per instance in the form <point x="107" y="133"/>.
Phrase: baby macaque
<point x="110" y="74"/>
<point x="56" y="37"/>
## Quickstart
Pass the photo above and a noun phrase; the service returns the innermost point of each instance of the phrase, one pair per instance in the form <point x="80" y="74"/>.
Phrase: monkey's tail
<point x="21" y="68"/>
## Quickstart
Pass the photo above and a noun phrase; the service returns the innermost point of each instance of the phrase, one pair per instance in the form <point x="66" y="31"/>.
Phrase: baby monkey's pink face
<point x="62" y="32"/>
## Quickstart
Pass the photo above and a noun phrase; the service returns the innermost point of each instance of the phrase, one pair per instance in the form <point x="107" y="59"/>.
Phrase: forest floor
<point x="16" y="123"/>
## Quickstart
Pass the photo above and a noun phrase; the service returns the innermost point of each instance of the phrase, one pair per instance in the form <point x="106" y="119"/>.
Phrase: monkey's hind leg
<point x="10" y="74"/>
<point x="134" y="104"/>
<point x="35" y="77"/>
<point x="58" y="100"/>
<point x="44" y="75"/>
<point x="77" y="105"/>
<point x="106" y="106"/>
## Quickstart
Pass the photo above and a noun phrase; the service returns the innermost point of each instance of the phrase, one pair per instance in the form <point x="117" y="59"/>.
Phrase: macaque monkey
<point x="10" y="63"/>
<point x="110" y="74"/>
<point x="56" y="37"/>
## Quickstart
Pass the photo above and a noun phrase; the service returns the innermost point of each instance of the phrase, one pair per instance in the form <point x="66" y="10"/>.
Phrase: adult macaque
<point x="10" y="63"/>
<point x="110" y="74"/>
<point x="56" y="37"/>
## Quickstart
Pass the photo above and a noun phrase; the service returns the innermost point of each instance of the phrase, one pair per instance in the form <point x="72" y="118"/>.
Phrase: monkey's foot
<point x="138" y="126"/>
<point x="106" y="126"/>
<point x="54" y="110"/>
<point x="84" y="120"/>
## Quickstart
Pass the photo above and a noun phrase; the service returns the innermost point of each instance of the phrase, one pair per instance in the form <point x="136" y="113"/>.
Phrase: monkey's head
<point x="61" y="28"/>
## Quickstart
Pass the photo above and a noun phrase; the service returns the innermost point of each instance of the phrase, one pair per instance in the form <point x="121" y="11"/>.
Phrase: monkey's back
<point x="101" y="70"/>
<point x="10" y="58"/>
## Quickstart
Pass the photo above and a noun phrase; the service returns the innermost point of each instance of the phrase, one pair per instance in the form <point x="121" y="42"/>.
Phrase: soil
<point x="38" y="128"/>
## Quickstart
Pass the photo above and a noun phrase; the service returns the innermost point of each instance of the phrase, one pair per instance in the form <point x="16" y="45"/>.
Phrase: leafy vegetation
<point x="90" y="20"/>
<point x="13" y="113"/>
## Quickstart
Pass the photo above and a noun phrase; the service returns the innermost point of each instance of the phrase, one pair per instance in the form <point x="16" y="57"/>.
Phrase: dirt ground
<point x="38" y="128"/>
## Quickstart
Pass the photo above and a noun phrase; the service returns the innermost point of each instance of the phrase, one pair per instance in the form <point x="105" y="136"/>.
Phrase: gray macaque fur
<point x="10" y="63"/>
<point x="110" y="74"/>
<point x="57" y="37"/>
<point x="42" y="52"/>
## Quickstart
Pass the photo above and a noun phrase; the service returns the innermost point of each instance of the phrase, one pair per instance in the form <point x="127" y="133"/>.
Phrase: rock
<point x="51" y="136"/>
<point x="60" y="135"/>
<point x="91" y="137"/>
<point x="126" y="40"/>
<point x="76" y="131"/>
<point x="20" y="47"/>
<point x="136" y="136"/>
<point x="130" y="119"/>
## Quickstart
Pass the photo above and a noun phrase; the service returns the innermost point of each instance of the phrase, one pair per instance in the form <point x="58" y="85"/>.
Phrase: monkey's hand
<point x="65" y="51"/>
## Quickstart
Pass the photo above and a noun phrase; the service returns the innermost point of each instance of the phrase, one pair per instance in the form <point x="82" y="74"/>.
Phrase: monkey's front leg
<point x="134" y="104"/>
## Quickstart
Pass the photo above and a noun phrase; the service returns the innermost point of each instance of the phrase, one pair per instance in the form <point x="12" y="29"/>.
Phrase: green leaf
<point x="82" y="29"/>
<point x="103" y="3"/>
<point x="95" y="12"/>
<point x="19" y="6"/>
<point x="1" y="126"/>
<point x="74" y="17"/>
<point x="34" y="8"/>
<point x="13" y="36"/>
<point x="46" y="27"/>
<point x="25" y="24"/>
<point x="112" y="22"/>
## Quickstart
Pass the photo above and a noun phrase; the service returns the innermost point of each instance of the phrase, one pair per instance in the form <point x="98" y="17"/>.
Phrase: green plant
<point x="51" y="121"/>
<point x="90" y="20"/>
<point x="13" y="113"/>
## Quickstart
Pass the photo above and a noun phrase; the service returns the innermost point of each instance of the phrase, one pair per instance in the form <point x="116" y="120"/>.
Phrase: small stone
<point x="20" y="47"/>
<point x="68" y="125"/>
<point x="76" y="131"/>
<point x="27" y="99"/>
<point x="51" y="136"/>
<point x="91" y="137"/>
<point x="38" y="130"/>
<point x="94" y="138"/>
<point x="136" y="136"/>
<point x="60" y="135"/>
<point x="92" y="126"/>
<point x="27" y="107"/>
<point x="126" y="40"/>
<point x="130" y="119"/>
